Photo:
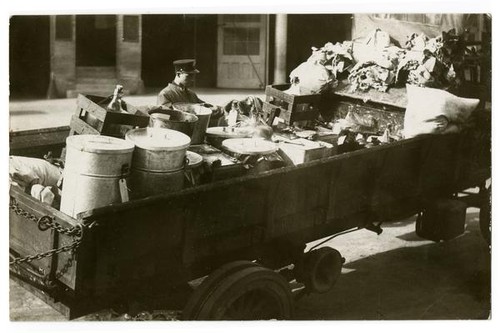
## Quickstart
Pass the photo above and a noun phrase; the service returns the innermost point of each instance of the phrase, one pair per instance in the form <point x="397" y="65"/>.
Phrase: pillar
<point x="280" y="75"/>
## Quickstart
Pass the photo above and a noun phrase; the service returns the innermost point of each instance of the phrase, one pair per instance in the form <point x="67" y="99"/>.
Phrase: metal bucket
<point x="203" y="114"/>
<point x="145" y="183"/>
<point x="173" y="119"/>
<point x="158" y="161"/>
<point x="94" y="165"/>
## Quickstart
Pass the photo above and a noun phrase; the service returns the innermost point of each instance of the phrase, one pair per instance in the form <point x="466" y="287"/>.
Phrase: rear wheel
<point x="321" y="269"/>
<point x="241" y="291"/>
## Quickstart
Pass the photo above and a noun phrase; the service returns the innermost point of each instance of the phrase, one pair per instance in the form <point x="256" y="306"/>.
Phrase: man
<point x="178" y="90"/>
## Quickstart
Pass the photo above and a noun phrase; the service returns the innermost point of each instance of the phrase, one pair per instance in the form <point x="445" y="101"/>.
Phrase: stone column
<point x="280" y="75"/>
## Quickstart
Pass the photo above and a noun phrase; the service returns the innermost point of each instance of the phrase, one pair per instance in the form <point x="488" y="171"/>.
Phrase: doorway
<point x="95" y="40"/>
<point x="241" y="54"/>
<point x="29" y="56"/>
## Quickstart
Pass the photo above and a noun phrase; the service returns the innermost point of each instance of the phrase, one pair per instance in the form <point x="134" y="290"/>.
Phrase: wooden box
<point x="300" y="151"/>
<point x="290" y="108"/>
<point x="91" y="117"/>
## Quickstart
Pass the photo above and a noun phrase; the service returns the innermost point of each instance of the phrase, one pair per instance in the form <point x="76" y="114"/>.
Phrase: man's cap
<point x="185" y="66"/>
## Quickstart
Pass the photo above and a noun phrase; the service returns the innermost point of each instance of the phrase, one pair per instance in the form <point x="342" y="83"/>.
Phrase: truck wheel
<point x="242" y="292"/>
<point x="321" y="269"/>
<point x="485" y="216"/>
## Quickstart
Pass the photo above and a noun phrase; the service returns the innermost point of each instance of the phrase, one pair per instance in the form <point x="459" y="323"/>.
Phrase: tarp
<point x="400" y="26"/>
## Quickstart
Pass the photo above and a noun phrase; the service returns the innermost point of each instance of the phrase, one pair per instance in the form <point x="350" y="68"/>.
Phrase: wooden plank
<point x="127" y="119"/>
<point x="395" y="97"/>
<point x="43" y="137"/>
<point x="79" y="126"/>
<point x="91" y="107"/>
<point x="27" y="239"/>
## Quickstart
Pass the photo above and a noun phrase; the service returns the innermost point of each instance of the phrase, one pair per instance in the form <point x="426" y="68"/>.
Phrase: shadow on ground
<point x="449" y="280"/>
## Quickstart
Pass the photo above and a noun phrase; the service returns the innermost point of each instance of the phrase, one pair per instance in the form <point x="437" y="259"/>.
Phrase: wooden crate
<point x="290" y="108"/>
<point x="91" y="117"/>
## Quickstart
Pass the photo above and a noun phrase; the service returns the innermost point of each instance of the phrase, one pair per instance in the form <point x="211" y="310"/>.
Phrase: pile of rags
<point x="378" y="69"/>
<point x="432" y="62"/>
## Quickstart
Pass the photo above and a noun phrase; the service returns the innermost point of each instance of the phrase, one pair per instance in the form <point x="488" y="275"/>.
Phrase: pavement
<point x="392" y="276"/>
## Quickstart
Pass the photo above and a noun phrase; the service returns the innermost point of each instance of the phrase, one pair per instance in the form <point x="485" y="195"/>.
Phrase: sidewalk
<point x="44" y="113"/>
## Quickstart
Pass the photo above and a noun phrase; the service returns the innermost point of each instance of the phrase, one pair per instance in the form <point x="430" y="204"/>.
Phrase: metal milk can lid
<point x="155" y="138"/>
<point x="99" y="144"/>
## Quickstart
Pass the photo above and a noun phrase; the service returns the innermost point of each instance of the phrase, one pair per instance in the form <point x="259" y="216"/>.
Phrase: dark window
<point x="64" y="28"/>
<point x="241" y="41"/>
<point x="131" y="28"/>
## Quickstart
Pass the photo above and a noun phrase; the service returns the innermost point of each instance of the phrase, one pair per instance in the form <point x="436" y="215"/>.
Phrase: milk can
<point x="94" y="166"/>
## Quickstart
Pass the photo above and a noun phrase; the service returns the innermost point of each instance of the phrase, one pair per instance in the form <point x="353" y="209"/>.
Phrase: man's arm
<point x="164" y="100"/>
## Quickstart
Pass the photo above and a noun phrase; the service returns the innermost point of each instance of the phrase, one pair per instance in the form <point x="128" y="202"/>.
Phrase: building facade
<point x="71" y="54"/>
<point x="91" y="53"/>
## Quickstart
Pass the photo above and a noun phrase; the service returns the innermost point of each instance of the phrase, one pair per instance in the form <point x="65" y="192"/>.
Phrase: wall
<point x="400" y="26"/>
<point x="129" y="56"/>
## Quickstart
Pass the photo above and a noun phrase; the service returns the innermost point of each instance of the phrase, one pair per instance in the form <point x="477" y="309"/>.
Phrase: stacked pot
<point x="158" y="161"/>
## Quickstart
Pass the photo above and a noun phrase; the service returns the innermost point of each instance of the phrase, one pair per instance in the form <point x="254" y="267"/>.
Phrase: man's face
<point x="186" y="79"/>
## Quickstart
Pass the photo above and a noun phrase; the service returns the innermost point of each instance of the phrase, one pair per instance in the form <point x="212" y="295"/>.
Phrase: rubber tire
<point x="322" y="268"/>
<point x="216" y="295"/>
<point x="213" y="279"/>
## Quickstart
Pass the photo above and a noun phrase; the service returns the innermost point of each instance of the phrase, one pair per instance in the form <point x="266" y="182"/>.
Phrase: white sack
<point x="311" y="77"/>
<point x="27" y="171"/>
<point x="435" y="111"/>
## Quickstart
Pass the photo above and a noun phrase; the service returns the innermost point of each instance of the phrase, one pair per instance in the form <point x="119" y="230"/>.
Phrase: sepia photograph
<point x="266" y="164"/>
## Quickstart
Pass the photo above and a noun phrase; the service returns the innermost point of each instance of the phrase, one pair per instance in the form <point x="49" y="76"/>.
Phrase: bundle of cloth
<point x="249" y="112"/>
<point x="38" y="177"/>
<point x="377" y="66"/>
<point x="322" y="70"/>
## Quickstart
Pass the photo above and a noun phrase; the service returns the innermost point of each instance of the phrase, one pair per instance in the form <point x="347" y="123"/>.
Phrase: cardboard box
<point x="300" y="150"/>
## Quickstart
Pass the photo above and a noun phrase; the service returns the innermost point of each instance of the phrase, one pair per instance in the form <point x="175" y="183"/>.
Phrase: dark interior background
<point x="166" y="38"/>
<point x="29" y="56"/>
<point x="95" y="43"/>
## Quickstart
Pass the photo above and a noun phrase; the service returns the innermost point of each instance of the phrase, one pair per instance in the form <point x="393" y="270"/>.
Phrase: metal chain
<point x="49" y="253"/>
<point x="45" y="223"/>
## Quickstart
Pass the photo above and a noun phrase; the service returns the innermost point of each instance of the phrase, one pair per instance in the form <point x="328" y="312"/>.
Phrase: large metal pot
<point x="203" y="114"/>
<point x="173" y="119"/>
<point x="158" y="161"/>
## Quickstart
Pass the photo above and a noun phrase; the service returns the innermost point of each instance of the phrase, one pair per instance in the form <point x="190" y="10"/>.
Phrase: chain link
<point x="47" y="222"/>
